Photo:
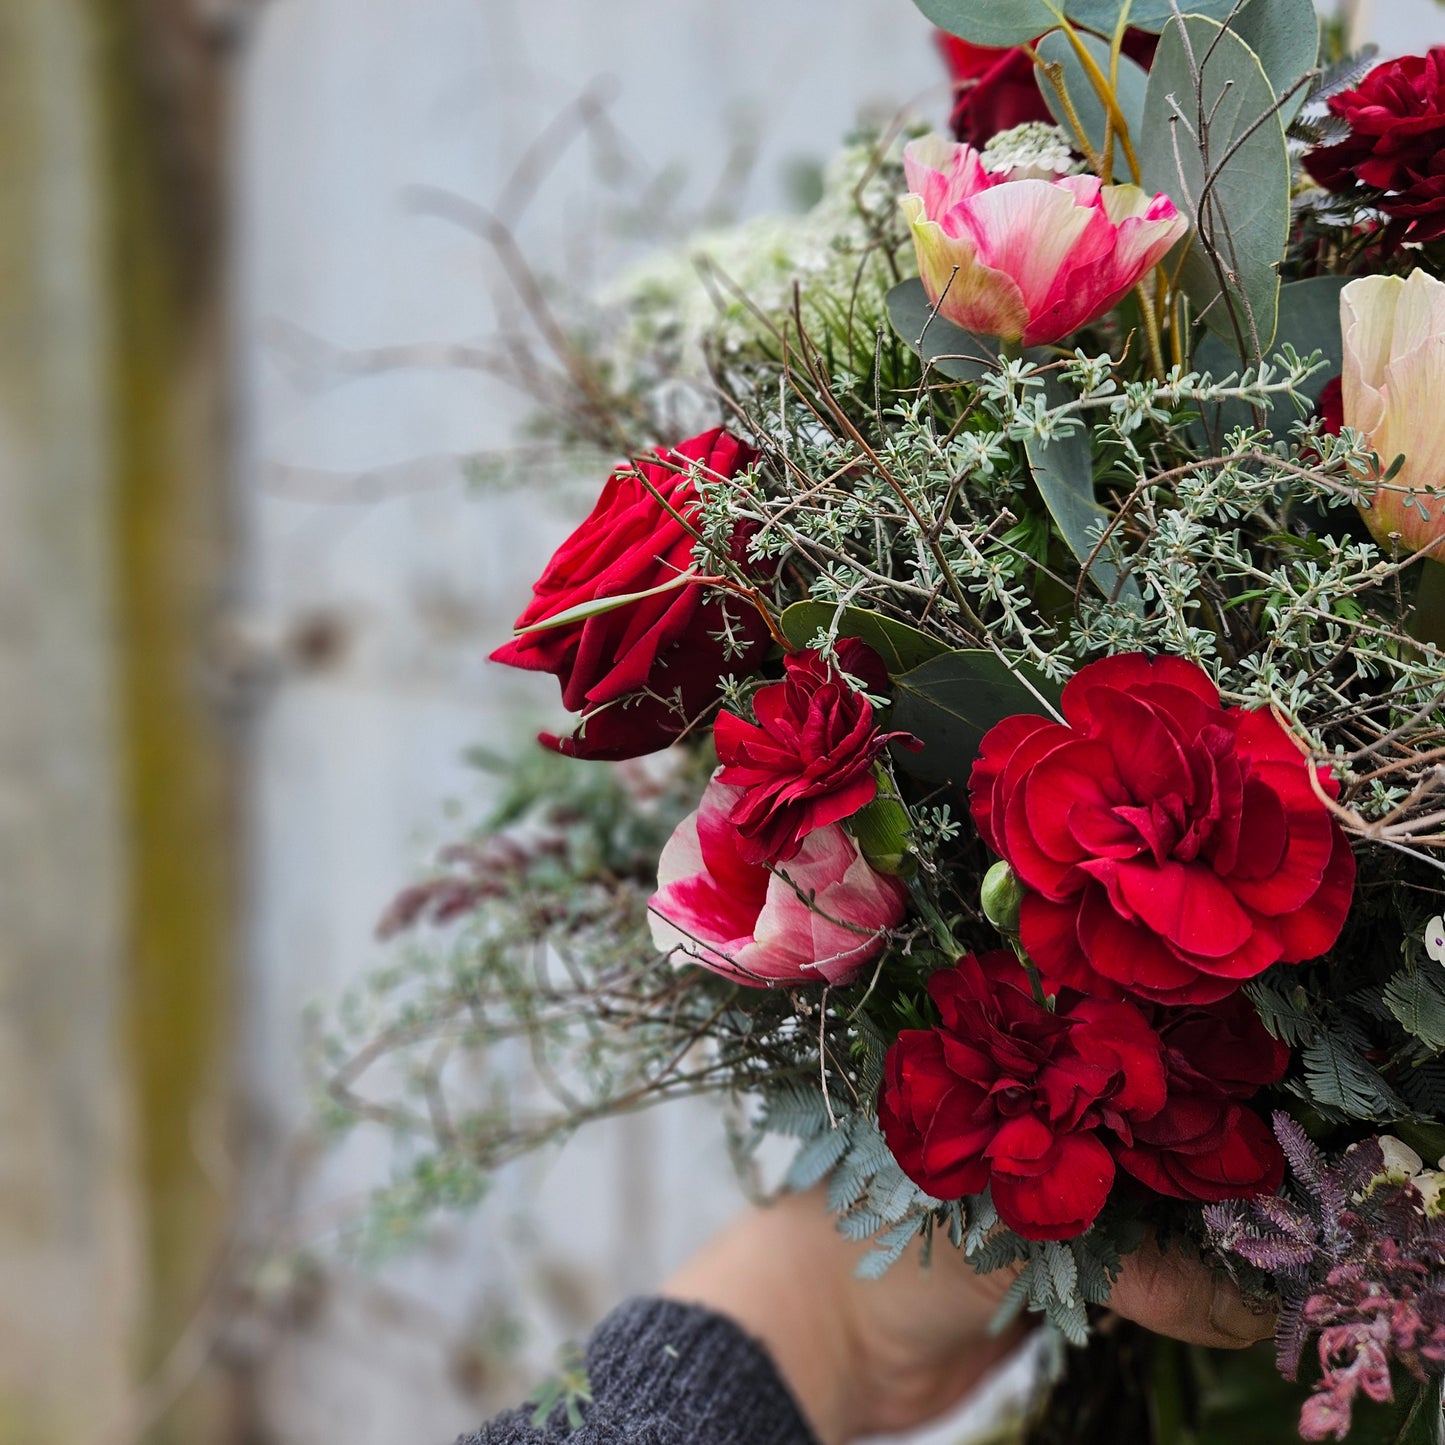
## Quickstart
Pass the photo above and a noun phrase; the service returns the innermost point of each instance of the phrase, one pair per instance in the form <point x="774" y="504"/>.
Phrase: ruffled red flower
<point x="1204" y="1144"/>
<point x="1172" y="848"/>
<point x="809" y="759"/>
<point x="1006" y="1094"/>
<point x="640" y="674"/>
<point x="1394" y="157"/>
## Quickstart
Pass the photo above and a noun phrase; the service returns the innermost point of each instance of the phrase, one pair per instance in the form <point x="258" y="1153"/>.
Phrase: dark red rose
<point x="1331" y="407"/>
<point x="1008" y="1095"/>
<point x="1172" y="848"/>
<point x="1204" y="1144"/>
<point x="1394" y="157"/>
<point x="809" y="759"/>
<point x="996" y="90"/>
<point x="641" y="674"/>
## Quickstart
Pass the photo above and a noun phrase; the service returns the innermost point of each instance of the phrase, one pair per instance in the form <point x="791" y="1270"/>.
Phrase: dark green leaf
<point x="1417" y="1000"/>
<point x="956" y="353"/>
<point x="1338" y="1077"/>
<point x="1130" y="84"/>
<point x="1427" y="1140"/>
<point x="1241" y="224"/>
<point x="1309" y="321"/>
<point x="901" y="647"/>
<point x="952" y="701"/>
<point x="1427" y="624"/>
<point x="1064" y="471"/>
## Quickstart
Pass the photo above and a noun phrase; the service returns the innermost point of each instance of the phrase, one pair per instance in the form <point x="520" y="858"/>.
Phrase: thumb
<point x="1177" y="1295"/>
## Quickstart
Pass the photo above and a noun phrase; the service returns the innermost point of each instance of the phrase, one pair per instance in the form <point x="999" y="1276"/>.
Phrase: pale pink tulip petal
<point x="820" y="918"/>
<point x="969" y="294"/>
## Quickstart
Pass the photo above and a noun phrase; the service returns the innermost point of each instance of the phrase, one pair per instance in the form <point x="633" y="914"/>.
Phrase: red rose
<point x="809" y="760"/>
<point x="1008" y="1095"/>
<point x="640" y="674"/>
<point x="1331" y="407"/>
<point x="1171" y="848"/>
<point x="1204" y="1144"/>
<point x="1394" y="157"/>
<point x="996" y="90"/>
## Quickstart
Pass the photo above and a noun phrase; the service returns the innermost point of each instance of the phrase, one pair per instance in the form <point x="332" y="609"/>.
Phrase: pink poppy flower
<point x="1030" y="260"/>
<point x="821" y="916"/>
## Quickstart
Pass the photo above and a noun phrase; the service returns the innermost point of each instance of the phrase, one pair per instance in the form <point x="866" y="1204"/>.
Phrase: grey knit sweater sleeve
<point x="668" y="1374"/>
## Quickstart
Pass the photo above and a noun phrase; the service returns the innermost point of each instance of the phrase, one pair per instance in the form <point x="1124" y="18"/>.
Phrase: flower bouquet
<point x="1040" y="644"/>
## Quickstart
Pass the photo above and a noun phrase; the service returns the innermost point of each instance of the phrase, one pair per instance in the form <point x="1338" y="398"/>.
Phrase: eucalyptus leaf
<point x="1013" y="22"/>
<point x="901" y="647"/>
<point x="1064" y="473"/>
<point x="1309" y="321"/>
<point x="1285" y="34"/>
<point x="1427" y="623"/>
<point x="992" y="22"/>
<point x="1230" y="265"/>
<point x="955" y="352"/>
<point x="1130" y="83"/>
<point x="1103" y="15"/>
<point x="949" y="703"/>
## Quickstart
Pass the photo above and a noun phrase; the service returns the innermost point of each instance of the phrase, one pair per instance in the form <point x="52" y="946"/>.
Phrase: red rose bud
<point x="1172" y="848"/>
<point x="1394" y="158"/>
<point x="1204" y="1144"/>
<point x="642" y="673"/>
<point x="1007" y="1095"/>
<point x="808" y="761"/>
<point x="995" y="90"/>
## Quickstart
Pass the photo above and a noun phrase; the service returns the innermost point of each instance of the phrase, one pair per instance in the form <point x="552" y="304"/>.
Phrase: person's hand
<point x="864" y="1357"/>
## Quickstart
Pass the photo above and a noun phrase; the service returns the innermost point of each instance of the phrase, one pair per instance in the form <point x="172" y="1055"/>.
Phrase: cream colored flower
<point x="1394" y="393"/>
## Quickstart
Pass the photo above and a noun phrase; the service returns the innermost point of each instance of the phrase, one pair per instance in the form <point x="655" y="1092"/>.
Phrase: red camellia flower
<point x="1172" y="848"/>
<point x="1394" y="157"/>
<point x="1006" y="1094"/>
<point x="996" y="89"/>
<point x="1204" y="1144"/>
<point x="641" y="673"/>
<point x="809" y="760"/>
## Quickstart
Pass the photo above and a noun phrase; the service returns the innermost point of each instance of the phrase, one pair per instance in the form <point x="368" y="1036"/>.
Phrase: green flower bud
<point x="1001" y="896"/>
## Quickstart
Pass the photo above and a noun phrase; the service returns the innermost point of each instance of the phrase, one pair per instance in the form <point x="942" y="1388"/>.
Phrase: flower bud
<point x="1431" y="1184"/>
<point x="1394" y="366"/>
<point x="1402" y="1163"/>
<point x="1002" y="895"/>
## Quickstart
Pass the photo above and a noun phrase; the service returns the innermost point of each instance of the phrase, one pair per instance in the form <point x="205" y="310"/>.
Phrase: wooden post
<point x="115" y="805"/>
<point x="163" y="120"/>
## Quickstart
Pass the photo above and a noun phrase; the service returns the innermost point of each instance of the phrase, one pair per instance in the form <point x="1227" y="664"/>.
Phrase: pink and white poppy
<point x="1029" y="260"/>
<point x="820" y="917"/>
